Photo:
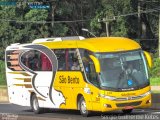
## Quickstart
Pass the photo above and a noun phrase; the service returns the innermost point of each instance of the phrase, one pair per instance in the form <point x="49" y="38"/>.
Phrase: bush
<point x="2" y="73"/>
<point x="155" y="70"/>
<point x="155" y="81"/>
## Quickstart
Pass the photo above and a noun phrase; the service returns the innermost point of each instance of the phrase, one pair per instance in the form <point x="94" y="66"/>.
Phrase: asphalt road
<point x="15" y="112"/>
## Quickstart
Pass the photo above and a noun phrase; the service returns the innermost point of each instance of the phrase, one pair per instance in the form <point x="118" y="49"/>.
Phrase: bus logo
<point x="130" y="82"/>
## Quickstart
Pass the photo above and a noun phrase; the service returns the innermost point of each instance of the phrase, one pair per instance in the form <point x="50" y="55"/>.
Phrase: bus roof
<point x="58" y="39"/>
<point x="99" y="44"/>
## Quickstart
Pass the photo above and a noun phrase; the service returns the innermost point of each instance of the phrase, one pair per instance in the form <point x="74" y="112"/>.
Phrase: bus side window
<point x="60" y="53"/>
<point x="45" y="63"/>
<point x="31" y="60"/>
<point x="73" y="62"/>
<point x="67" y="59"/>
<point x="36" y="61"/>
<point x="89" y="67"/>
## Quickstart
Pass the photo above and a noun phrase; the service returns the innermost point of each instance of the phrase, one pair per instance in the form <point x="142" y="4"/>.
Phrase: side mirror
<point x="149" y="59"/>
<point x="96" y="63"/>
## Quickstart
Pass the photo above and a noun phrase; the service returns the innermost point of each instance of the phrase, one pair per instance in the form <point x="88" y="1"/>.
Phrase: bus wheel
<point x="127" y="111"/>
<point x="83" y="108"/>
<point x="34" y="105"/>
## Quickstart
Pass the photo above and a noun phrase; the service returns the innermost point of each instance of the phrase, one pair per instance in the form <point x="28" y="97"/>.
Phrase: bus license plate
<point x="128" y="107"/>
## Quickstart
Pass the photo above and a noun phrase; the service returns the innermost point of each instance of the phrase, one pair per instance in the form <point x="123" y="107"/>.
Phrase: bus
<point x="86" y="74"/>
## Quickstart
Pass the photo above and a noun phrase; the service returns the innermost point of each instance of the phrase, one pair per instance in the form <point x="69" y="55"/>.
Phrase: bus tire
<point x="34" y="105"/>
<point x="127" y="111"/>
<point x="83" y="108"/>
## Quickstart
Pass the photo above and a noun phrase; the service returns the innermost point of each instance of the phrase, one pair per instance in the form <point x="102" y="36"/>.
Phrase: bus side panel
<point x="71" y="84"/>
<point x="18" y="81"/>
<point x="43" y="81"/>
<point x="18" y="89"/>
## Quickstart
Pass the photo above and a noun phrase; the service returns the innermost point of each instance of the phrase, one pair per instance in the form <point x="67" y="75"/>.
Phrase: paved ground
<point x="15" y="112"/>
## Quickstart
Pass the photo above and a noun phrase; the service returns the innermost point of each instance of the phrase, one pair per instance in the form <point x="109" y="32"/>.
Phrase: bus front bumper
<point x="111" y="105"/>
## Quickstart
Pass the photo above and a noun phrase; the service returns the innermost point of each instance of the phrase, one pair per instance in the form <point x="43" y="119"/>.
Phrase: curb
<point x="3" y="95"/>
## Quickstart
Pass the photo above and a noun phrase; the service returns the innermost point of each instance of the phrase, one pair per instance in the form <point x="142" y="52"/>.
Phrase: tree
<point x="111" y="8"/>
<point x="15" y="28"/>
<point x="73" y="10"/>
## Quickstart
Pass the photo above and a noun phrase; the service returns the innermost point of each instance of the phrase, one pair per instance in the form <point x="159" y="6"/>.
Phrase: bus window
<point x="89" y="67"/>
<point x="31" y="60"/>
<point x="36" y="60"/>
<point x="73" y="60"/>
<point x="67" y="59"/>
<point x="60" y="53"/>
<point x="12" y="60"/>
<point x="45" y="63"/>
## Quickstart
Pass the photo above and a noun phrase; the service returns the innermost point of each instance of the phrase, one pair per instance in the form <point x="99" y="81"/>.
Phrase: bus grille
<point x="129" y="104"/>
<point x="128" y="98"/>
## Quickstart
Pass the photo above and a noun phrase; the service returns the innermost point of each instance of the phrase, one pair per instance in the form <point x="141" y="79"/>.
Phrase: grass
<point x="155" y="91"/>
<point x="2" y="73"/>
<point x="155" y="81"/>
<point x="2" y="81"/>
<point x="3" y="87"/>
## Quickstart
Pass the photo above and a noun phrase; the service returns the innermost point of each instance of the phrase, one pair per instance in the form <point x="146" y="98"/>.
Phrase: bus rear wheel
<point x="83" y="108"/>
<point x="35" y="105"/>
<point x="127" y="111"/>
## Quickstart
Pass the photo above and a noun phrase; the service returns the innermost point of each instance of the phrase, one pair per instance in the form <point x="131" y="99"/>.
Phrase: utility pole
<point x="106" y="21"/>
<point x="107" y="29"/>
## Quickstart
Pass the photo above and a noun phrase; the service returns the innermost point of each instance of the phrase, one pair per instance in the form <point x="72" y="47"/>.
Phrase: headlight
<point x="107" y="97"/>
<point x="145" y="94"/>
<point x="126" y="98"/>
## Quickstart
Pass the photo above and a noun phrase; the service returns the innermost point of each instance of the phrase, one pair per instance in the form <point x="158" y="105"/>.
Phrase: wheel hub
<point x="83" y="107"/>
<point x="35" y="104"/>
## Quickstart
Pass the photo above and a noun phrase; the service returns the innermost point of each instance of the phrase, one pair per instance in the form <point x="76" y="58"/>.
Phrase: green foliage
<point x="155" y="70"/>
<point x="72" y="10"/>
<point x="36" y="15"/>
<point x="120" y="31"/>
<point x="60" y="29"/>
<point x="23" y="32"/>
<point x="2" y="73"/>
<point x="96" y="26"/>
<point x="110" y="8"/>
<point x="155" y="81"/>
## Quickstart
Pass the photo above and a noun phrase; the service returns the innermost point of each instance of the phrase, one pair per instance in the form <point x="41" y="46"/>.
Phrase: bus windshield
<point x="123" y="71"/>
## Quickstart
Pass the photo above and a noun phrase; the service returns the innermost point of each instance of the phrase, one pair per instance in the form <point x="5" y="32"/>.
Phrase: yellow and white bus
<point x="95" y="74"/>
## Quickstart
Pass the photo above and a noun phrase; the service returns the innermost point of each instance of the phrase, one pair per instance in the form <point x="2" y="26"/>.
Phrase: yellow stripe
<point x="19" y="78"/>
<point x="23" y="73"/>
<point x="18" y="84"/>
<point x="25" y="85"/>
